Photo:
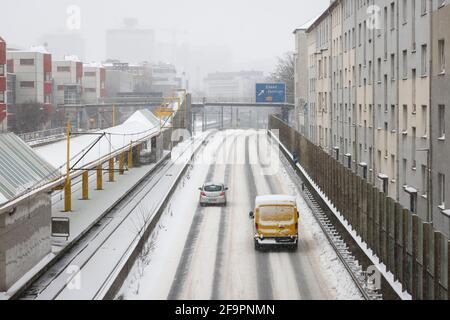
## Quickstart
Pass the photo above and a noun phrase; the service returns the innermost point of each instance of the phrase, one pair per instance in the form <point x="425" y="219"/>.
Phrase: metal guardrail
<point x="39" y="135"/>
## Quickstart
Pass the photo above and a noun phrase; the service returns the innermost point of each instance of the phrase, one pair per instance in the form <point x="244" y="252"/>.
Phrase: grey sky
<point x="256" y="31"/>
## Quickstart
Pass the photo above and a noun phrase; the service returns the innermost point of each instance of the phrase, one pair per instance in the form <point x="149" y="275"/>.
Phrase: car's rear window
<point x="213" y="188"/>
<point x="276" y="213"/>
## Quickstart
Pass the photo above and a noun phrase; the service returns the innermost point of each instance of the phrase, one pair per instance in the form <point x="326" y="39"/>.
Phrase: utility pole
<point x="68" y="187"/>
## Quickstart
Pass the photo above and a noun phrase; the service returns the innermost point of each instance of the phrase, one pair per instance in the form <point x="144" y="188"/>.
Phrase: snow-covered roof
<point x="144" y="116"/>
<point x="275" y="200"/>
<point x="140" y="125"/>
<point x="73" y="58"/>
<point x="21" y="168"/>
<point x="309" y="23"/>
<point x="93" y="65"/>
<point x="40" y="49"/>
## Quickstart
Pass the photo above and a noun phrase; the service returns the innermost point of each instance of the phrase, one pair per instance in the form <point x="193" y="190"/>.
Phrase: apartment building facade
<point x="94" y="83"/>
<point x="440" y="115"/>
<point x="370" y="92"/>
<point x="3" y="88"/>
<point x="68" y="81"/>
<point x="165" y="79"/>
<point x="33" y="71"/>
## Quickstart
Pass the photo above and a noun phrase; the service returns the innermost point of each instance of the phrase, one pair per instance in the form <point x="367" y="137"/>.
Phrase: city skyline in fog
<point x="254" y="33"/>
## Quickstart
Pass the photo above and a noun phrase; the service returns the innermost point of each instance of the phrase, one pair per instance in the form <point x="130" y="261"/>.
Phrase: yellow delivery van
<point x="275" y="221"/>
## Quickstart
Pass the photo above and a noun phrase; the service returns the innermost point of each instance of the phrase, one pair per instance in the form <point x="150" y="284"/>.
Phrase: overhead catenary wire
<point x="82" y="154"/>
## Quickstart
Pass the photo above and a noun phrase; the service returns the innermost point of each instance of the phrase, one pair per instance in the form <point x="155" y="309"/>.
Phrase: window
<point x="424" y="60"/>
<point x="441" y="52"/>
<point x="441" y="119"/>
<point x="425" y="120"/>
<point x="27" y="84"/>
<point x="62" y="69"/>
<point x="405" y="172"/>
<point x="392" y="15"/>
<point x="386" y="139"/>
<point x="393" y="118"/>
<point x="2" y="70"/>
<point x="413" y="148"/>
<point x="405" y="11"/>
<point x="405" y="64"/>
<point x="424" y="180"/>
<point x="423" y="9"/>
<point x="379" y="70"/>
<point x="405" y="119"/>
<point x="90" y="74"/>
<point x="441" y="190"/>
<point x="392" y="66"/>
<point x="60" y="87"/>
<point x="2" y="97"/>
<point x="27" y="62"/>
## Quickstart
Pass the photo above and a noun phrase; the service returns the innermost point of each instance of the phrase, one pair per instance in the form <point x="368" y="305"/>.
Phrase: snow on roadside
<point x="333" y="269"/>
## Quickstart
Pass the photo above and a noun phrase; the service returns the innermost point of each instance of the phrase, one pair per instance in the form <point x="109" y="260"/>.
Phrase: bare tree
<point x="285" y="72"/>
<point x="29" y="117"/>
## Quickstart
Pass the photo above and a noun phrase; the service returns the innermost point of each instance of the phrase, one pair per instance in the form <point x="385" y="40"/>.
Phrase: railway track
<point x="363" y="281"/>
<point x="55" y="278"/>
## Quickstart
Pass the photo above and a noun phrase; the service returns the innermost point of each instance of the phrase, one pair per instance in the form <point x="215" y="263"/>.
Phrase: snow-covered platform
<point x="103" y="234"/>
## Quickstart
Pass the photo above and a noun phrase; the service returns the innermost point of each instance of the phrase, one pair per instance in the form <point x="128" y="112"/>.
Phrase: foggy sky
<point x="256" y="31"/>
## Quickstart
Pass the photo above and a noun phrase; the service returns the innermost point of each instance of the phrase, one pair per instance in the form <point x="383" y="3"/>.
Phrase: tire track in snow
<point x="183" y="266"/>
<point x="221" y="239"/>
<point x="299" y="259"/>
<point x="265" y="290"/>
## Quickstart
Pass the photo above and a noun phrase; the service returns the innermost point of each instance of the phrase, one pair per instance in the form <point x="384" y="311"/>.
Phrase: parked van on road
<point x="275" y="221"/>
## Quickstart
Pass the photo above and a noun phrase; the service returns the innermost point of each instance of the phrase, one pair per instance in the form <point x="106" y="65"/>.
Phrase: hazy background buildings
<point x="197" y="37"/>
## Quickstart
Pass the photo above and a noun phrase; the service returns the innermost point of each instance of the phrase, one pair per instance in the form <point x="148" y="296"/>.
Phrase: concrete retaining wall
<point x="25" y="238"/>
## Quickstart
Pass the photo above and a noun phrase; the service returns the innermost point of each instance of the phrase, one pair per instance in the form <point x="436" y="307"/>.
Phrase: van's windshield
<point x="276" y="213"/>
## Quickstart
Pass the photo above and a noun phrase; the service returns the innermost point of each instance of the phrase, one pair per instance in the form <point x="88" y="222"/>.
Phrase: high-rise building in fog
<point x="233" y="85"/>
<point x="130" y="43"/>
<point x="64" y="44"/>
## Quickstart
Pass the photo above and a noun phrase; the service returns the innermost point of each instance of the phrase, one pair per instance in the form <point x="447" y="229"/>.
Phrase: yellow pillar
<point x="130" y="156"/>
<point x="99" y="177"/>
<point x="85" y="184"/>
<point x="111" y="170"/>
<point x="68" y="184"/>
<point x="121" y="161"/>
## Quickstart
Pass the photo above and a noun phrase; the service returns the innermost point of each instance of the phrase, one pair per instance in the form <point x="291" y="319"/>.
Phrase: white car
<point x="213" y="194"/>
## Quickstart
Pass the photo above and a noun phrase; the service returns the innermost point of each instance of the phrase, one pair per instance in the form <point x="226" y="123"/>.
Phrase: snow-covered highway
<point x="208" y="253"/>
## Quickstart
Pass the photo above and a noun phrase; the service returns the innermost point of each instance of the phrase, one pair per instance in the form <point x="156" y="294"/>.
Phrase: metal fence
<point x="411" y="249"/>
<point x="38" y="136"/>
